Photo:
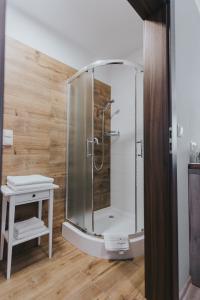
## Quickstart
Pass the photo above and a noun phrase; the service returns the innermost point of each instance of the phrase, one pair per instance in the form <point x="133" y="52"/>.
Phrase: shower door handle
<point x="140" y="142"/>
<point x="89" y="147"/>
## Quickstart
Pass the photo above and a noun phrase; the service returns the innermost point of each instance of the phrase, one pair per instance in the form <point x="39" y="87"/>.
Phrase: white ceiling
<point x="103" y="27"/>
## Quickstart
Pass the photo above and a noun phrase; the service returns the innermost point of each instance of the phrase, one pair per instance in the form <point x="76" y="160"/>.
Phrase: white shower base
<point x="93" y="245"/>
<point x="112" y="220"/>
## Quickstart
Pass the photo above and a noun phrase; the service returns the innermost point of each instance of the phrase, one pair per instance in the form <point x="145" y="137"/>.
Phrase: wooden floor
<point x="73" y="275"/>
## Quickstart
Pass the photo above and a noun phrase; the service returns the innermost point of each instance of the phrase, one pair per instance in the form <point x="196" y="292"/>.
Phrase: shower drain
<point x="111" y="217"/>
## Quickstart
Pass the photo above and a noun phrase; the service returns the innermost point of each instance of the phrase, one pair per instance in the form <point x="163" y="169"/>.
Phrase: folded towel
<point x="29" y="187"/>
<point x="27" y="225"/>
<point x="28" y="229"/>
<point x="29" y="179"/>
<point x="30" y="233"/>
<point x="116" y="242"/>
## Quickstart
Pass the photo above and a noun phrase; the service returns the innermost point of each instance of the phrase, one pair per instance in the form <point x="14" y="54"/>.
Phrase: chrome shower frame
<point x="101" y="63"/>
<point x="137" y="68"/>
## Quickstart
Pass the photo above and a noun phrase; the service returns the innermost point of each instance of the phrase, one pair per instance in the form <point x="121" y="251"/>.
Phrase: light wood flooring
<point x="71" y="274"/>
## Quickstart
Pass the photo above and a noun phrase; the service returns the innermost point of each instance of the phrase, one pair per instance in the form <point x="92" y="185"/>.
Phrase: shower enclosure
<point x="105" y="150"/>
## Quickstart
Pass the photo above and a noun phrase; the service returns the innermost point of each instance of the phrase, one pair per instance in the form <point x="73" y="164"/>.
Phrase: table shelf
<point x="31" y="237"/>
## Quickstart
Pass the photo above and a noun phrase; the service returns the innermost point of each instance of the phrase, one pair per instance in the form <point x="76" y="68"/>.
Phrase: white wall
<point x="136" y="57"/>
<point x="187" y="22"/>
<point x="34" y="34"/>
<point x="26" y="30"/>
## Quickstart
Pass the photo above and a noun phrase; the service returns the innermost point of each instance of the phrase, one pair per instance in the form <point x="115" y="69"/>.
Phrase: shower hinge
<point x="170" y="140"/>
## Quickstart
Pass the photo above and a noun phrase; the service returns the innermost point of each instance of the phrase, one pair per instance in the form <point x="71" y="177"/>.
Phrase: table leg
<point x="50" y="221"/>
<point x="10" y="234"/>
<point x="3" y="226"/>
<point x="39" y="217"/>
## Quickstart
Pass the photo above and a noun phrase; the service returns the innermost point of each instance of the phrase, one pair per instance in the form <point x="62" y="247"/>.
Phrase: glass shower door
<point x="80" y="152"/>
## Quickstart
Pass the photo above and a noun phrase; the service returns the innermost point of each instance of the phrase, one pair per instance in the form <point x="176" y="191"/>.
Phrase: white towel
<point x="27" y="225"/>
<point x="30" y="233"/>
<point x="29" y="187"/>
<point x="29" y="179"/>
<point x="116" y="242"/>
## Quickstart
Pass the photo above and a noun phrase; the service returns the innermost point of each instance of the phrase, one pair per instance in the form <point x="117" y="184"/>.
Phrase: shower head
<point x="111" y="101"/>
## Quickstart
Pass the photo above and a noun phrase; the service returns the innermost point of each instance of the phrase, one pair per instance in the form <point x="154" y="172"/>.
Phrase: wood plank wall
<point x="35" y="108"/>
<point x="102" y="93"/>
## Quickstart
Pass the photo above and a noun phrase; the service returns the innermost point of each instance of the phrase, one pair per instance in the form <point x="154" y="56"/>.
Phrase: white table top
<point x="6" y="191"/>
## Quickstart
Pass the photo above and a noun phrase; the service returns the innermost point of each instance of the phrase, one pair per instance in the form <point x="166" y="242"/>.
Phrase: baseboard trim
<point x="185" y="289"/>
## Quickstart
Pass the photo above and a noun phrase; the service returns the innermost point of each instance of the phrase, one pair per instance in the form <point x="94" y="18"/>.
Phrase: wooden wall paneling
<point x="35" y="108"/>
<point x="102" y="93"/>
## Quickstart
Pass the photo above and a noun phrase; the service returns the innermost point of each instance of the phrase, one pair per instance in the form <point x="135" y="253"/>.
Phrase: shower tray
<point x="94" y="246"/>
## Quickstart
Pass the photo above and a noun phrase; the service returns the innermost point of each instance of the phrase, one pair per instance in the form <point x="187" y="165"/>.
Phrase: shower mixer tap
<point x="96" y="140"/>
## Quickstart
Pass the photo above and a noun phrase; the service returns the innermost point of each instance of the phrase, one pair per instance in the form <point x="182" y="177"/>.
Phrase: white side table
<point x="19" y="198"/>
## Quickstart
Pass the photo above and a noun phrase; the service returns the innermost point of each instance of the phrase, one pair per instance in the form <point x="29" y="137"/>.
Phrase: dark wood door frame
<point x="161" y="237"/>
<point x="147" y="8"/>
<point x="161" y="258"/>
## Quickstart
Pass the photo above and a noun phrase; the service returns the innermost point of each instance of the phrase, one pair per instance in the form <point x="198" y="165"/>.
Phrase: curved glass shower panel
<point x="102" y="124"/>
<point x="80" y="150"/>
<point x="115" y="203"/>
<point x="105" y="155"/>
<point x="139" y="152"/>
